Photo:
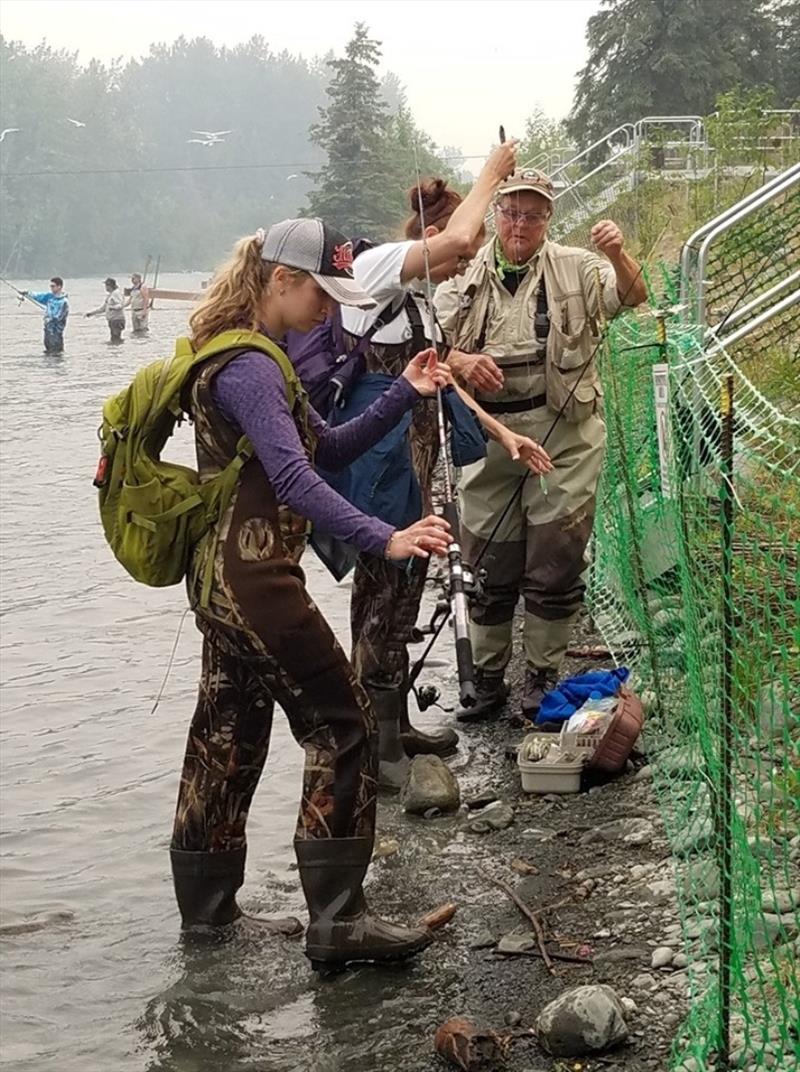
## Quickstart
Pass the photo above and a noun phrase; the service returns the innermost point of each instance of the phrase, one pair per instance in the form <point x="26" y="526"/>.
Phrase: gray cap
<point x="322" y="251"/>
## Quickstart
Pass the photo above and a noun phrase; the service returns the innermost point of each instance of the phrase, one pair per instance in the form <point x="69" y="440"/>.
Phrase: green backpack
<point x="154" y="511"/>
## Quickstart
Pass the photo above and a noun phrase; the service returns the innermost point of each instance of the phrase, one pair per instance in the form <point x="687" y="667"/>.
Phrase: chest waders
<point x="386" y="596"/>
<point x="265" y="641"/>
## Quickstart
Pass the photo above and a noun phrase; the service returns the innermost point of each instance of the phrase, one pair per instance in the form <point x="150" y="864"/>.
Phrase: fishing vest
<point x="265" y="529"/>
<point x="543" y="337"/>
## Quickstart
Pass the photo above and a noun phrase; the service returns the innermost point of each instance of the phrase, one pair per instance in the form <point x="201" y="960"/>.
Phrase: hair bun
<point x="433" y="196"/>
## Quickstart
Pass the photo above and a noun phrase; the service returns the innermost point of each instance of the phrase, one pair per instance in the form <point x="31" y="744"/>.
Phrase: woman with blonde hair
<point x="265" y="641"/>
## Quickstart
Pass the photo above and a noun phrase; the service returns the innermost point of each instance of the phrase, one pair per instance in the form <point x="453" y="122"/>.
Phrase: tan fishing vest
<point x="478" y="314"/>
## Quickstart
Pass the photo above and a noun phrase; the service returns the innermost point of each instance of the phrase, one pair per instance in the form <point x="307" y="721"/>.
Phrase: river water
<point x="95" y="976"/>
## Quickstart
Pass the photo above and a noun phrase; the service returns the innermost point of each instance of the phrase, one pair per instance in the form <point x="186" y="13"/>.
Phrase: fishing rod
<point x="457" y="595"/>
<point x="21" y="295"/>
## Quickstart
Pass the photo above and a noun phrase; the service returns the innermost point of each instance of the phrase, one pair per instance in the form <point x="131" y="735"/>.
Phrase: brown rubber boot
<point x="492" y="695"/>
<point x="205" y="888"/>
<point x="341" y="929"/>
<point x="537" y="683"/>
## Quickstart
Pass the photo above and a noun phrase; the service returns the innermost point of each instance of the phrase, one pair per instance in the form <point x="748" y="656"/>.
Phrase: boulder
<point x="584" y="1020"/>
<point x="431" y="784"/>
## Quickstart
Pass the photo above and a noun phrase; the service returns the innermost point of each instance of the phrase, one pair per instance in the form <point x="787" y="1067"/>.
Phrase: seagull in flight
<point x="212" y="135"/>
<point x="291" y="177"/>
<point x="9" y="130"/>
<point x="75" y="122"/>
<point x="203" y="141"/>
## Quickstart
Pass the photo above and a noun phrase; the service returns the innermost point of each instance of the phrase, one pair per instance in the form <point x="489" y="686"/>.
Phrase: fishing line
<point x="170" y="661"/>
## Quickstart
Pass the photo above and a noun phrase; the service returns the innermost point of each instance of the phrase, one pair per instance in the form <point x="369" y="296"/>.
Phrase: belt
<point x="514" y="407"/>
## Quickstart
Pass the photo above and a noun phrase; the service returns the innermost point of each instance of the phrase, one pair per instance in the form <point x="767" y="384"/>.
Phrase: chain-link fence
<point x="695" y="584"/>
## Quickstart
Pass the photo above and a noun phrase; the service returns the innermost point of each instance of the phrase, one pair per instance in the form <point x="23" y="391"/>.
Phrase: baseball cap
<point x="322" y="251"/>
<point x="527" y="179"/>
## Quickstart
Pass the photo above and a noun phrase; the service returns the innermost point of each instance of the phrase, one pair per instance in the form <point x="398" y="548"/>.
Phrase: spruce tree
<point x="352" y="190"/>
<point x="669" y="57"/>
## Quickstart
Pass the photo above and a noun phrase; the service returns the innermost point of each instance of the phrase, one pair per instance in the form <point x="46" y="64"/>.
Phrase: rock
<point x="621" y="953"/>
<point x="432" y="813"/>
<point x="680" y="961"/>
<point x="516" y="943"/>
<point x="773" y="710"/>
<point x="584" y="1020"/>
<point x="431" y="784"/>
<point x="643" y="982"/>
<point x="769" y="929"/>
<point x="679" y="761"/>
<point x="385" y="847"/>
<point x="629" y="831"/>
<point x="781" y="902"/>
<point x="644" y="774"/>
<point x="496" y="816"/>
<point x="629" y="1005"/>
<point x="660" y="892"/>
<point x="480" y="800"/>
<point x="484" y="939"/>
<point x="537" y="833"/>
<point x="513" y="1018"/>
<point x="696" y="836"/>
<point x="699" y="880"/>
<point x="662" y="957"/>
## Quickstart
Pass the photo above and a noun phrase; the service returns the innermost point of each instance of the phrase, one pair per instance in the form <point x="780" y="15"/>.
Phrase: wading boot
<point x="341" y="929"/>
<point x="492" y="695"/>
<point x="537" y="683"/>
<point x="205" y="888"/>
<point x="416" y="743"/>
<point x="393" y="763"/>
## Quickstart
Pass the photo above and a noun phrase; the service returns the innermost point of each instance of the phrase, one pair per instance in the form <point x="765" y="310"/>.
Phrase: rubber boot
<point x="537" y="683"/>
<point x="341" y="929"/>
<point x="492" y="695"/>
<point x="393" y="763"/>
<point x="417" y="743"/>
<point x="205" y="888"/>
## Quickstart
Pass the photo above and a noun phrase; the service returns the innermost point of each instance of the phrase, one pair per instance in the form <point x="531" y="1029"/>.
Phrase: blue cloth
<point x="56" y="306"/>
<point x="381" y="483"/>
<point x="563" y="701"/>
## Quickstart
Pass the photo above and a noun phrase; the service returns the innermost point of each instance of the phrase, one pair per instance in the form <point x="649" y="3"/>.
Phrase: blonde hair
<point x="235" y="295"/>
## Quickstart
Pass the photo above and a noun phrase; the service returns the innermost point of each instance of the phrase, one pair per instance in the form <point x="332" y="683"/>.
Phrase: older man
<point x="524" y="322"/>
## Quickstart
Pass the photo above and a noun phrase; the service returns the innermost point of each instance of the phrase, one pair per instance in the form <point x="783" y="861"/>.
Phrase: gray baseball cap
<point x="322" y="251"/>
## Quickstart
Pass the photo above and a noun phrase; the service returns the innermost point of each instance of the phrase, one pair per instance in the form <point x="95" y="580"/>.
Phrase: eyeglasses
<point x="513" y="216"/>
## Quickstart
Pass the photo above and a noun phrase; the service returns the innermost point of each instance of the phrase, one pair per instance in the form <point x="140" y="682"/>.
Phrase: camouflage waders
<point x="265" y="641"/>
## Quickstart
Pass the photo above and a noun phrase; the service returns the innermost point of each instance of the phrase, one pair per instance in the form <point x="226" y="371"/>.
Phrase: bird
<point x="9" y="130"/>
<point x="291" y="177"/>
<point x="75" y="122"/>
<point x="202" y="141"/>
<point x="213" y="134"/>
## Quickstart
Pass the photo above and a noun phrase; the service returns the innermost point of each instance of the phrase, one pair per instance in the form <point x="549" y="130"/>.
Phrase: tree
<point x="541" y="136"/>
<point x="353" y="192"/>
<point x="669" y="57"/>
<point x="787" y="16"/>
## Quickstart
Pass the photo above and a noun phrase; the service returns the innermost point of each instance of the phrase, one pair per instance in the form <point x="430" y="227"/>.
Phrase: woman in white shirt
<point x="385" y="600"/>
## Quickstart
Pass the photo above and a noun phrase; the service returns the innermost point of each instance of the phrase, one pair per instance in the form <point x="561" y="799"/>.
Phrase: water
<point x="94" y="973"/>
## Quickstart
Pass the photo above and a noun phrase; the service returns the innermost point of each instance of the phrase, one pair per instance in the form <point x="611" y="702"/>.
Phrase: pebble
<point x="629" y="1005"/>
<point x="483" y="940"/>
<point x="386" y="847"/>
<point x="643" y="982"/>
<point x="496" y="816"/>
<point x="680" y="960"/>
<point x="644" y="775"/>
<point x="516" y="943"/>
<point x="513" y="1018"/>
<point x="662" y="957"/>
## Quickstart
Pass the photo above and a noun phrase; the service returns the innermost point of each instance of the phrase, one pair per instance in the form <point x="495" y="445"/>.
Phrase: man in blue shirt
<point x="56" y="311"/>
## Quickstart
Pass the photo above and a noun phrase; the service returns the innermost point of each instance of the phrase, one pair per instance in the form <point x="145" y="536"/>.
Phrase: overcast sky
<point x="468" y="65"/>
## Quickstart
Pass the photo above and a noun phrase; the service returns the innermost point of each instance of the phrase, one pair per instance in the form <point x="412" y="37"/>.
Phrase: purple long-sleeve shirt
<point x="251" y="394"/>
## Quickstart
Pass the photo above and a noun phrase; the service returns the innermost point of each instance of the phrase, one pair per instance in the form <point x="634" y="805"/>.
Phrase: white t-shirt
<point x="378" y="272"/>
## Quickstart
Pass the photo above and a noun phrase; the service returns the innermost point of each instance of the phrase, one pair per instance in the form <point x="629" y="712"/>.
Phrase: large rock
<point x="584" y="1020"/>
<point x="431" y="784"/>
<point x="630" y="831"/>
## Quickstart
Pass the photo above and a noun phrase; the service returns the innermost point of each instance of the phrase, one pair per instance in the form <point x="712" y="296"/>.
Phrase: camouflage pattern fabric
<point x="266" y="642"/>
<point x="386" y="595"/>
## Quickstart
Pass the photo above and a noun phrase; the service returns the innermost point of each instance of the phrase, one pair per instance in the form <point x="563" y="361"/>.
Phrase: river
<point x="95" y="975"/>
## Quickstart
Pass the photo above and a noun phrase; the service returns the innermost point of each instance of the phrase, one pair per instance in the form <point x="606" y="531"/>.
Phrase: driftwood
<point x="439" y="917"/>
<point x="530" y="915"/>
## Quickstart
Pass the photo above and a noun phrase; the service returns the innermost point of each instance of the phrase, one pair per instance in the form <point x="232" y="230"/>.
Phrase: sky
<point x="468" y="65"/>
